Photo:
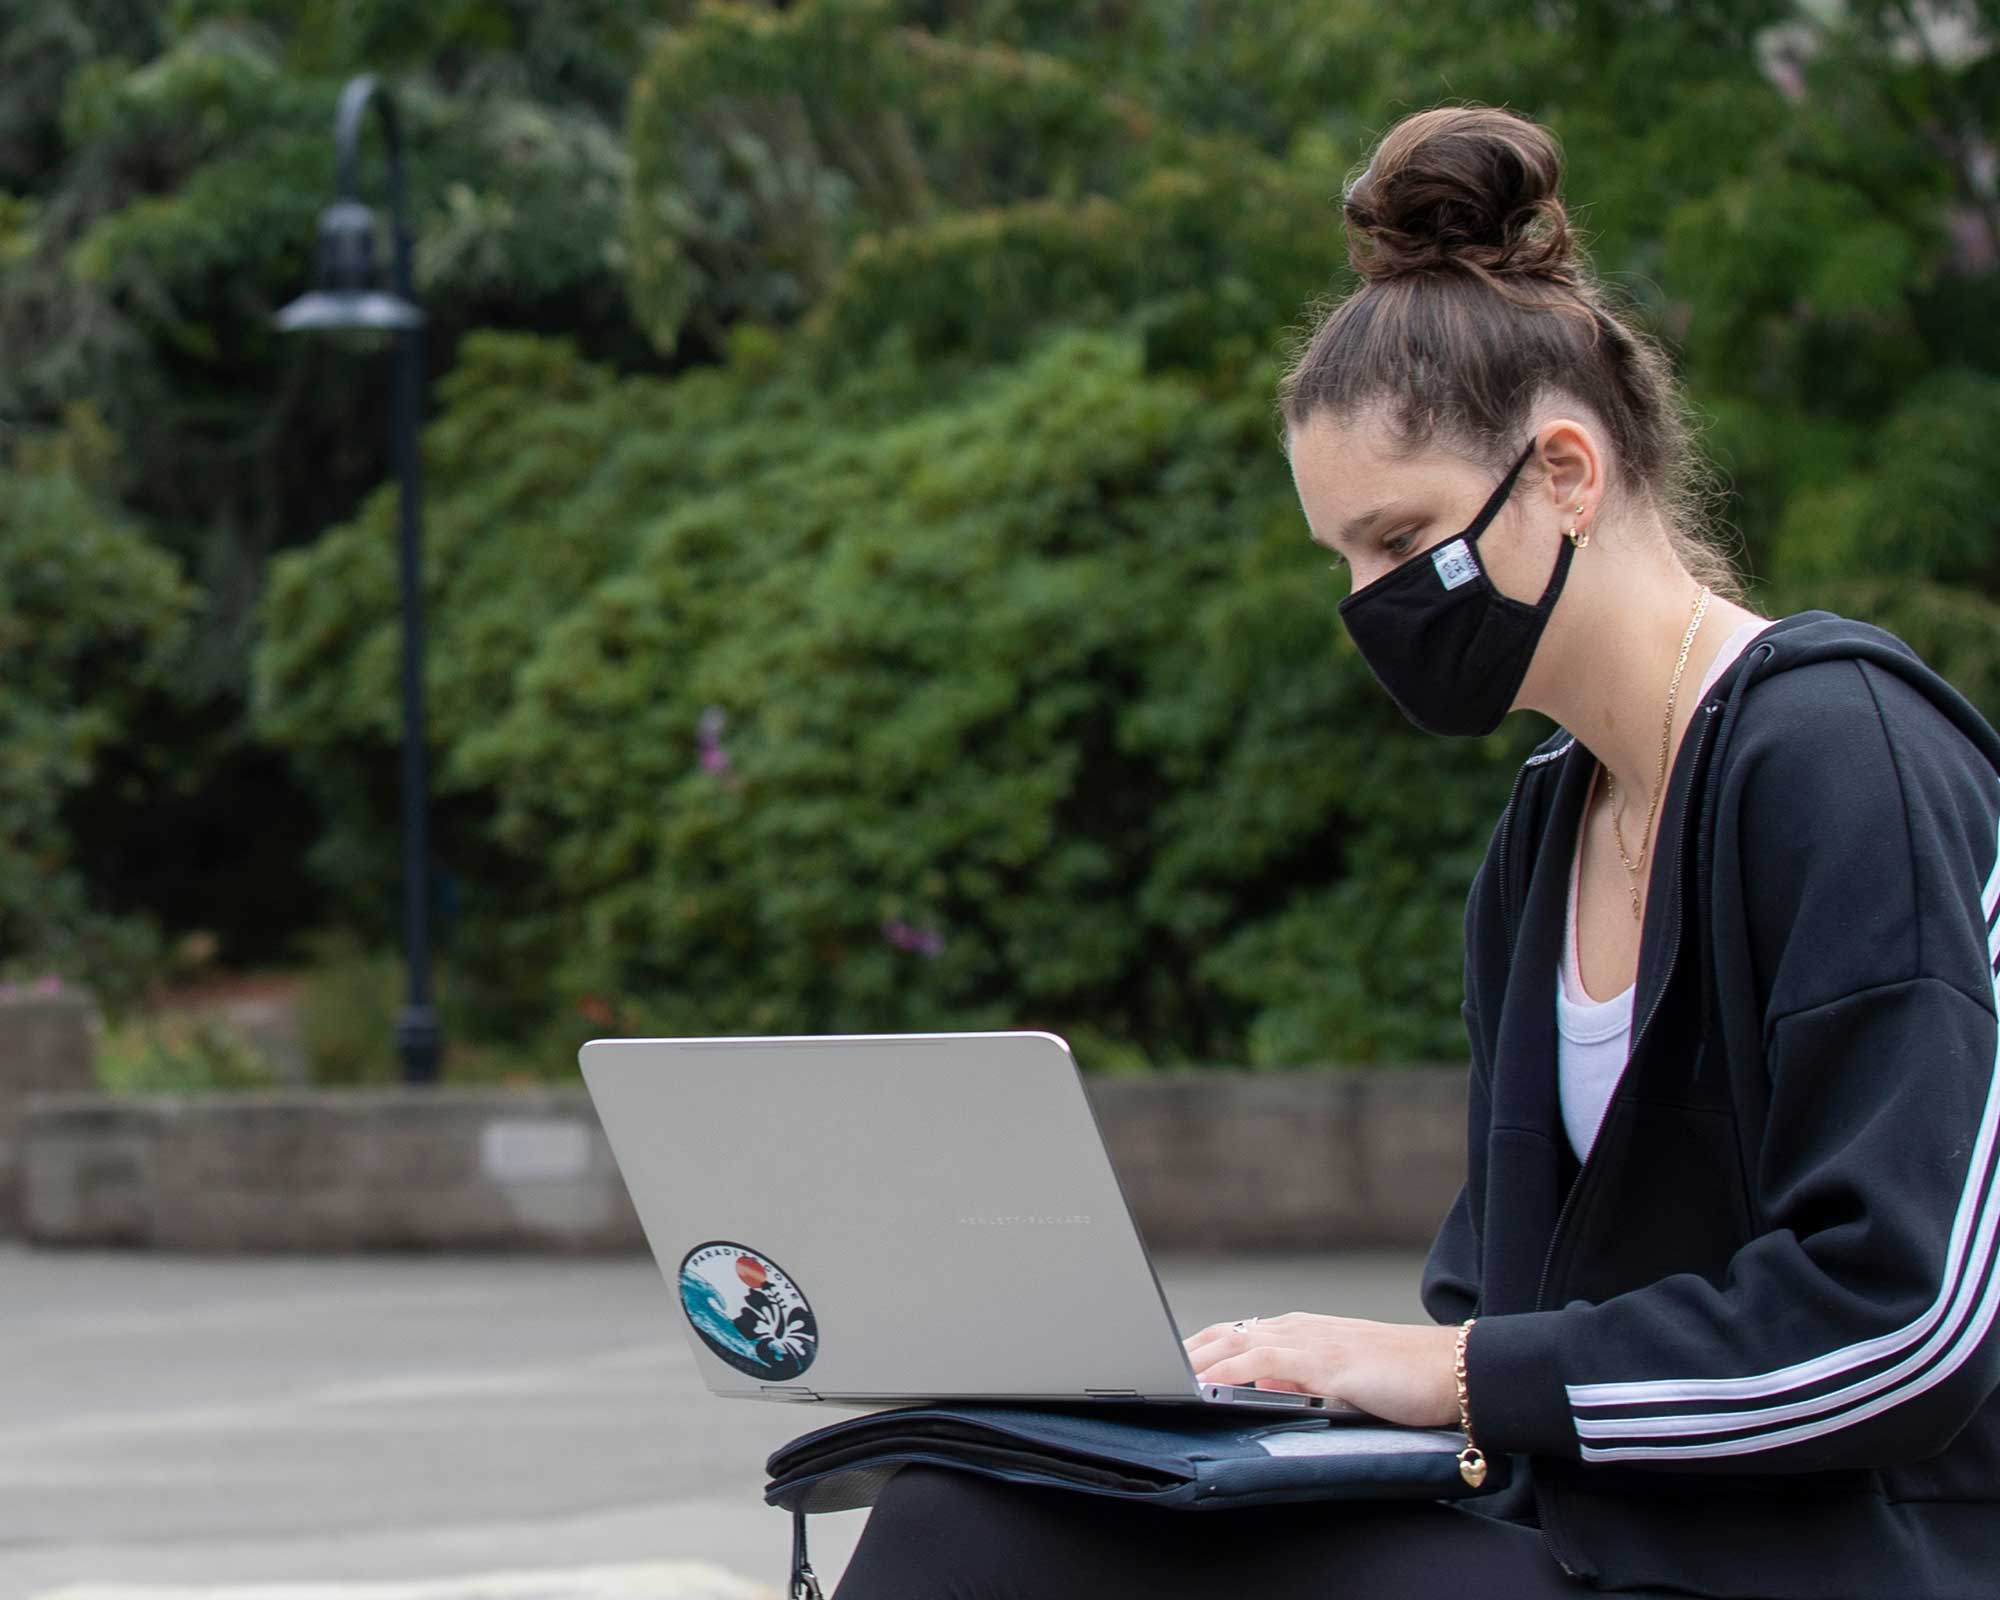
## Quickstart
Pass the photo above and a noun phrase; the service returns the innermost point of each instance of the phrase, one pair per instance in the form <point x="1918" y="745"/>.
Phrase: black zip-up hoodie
<point x="1750" y="1347"/>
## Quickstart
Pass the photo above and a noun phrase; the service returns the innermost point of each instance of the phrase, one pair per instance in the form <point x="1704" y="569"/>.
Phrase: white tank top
<point x="1593" y="1037"/>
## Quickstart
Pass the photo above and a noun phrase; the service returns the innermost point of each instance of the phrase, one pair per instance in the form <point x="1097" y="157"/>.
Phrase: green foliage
<point x="978" y="286"/>
<point x="989" y="670"/>
<point x="90" y="615"/>
<point x="189" y="218"/>
<point x="940" y="643"/>
<point x="347" y="1012"/>
<point x="179" y="1054"/>
<point x="766" y="143"/>
<point x="1922" y="502"/>
<point x="347" y="1008"/>
<point x="162" y="169"/>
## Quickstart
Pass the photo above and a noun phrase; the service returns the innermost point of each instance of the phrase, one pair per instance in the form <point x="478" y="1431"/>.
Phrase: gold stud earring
<point x="1570" y="532"/>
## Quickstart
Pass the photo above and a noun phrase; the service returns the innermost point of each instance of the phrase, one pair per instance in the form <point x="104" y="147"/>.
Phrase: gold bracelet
<point x="1471" y="1460"/>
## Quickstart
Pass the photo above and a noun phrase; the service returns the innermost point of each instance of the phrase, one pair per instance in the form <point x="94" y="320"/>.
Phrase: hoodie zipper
<point x="1673" y="952"/>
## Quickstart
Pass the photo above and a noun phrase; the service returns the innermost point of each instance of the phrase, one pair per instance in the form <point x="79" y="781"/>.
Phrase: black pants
<point x="936" y="1533"/>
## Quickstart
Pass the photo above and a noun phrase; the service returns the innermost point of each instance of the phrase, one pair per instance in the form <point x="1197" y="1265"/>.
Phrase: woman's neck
<point x="1607" y="668"/>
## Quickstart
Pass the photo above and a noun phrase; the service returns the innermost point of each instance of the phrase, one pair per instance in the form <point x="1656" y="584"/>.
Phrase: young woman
<point x="1721" y="1281"/>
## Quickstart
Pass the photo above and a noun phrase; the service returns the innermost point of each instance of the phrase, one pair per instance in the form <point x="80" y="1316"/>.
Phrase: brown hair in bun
<point x="1476" y="301"/>
<point x="1473" y="190"/>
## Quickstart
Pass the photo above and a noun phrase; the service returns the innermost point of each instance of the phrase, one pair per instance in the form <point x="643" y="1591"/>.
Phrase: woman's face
<point x="1374" y="512"/>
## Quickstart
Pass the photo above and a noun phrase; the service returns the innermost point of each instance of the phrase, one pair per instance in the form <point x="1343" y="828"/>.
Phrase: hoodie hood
<point x="1807" y="637"/>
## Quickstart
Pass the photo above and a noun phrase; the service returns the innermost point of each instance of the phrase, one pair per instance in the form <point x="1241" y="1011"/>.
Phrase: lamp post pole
<point x="417" y="1032"/>
<point x="347" y="297"/>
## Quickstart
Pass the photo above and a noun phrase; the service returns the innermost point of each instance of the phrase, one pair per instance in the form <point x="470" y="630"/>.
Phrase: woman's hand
<point x="1391" y="1370"/>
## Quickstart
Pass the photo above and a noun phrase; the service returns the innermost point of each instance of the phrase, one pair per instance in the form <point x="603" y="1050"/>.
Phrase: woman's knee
<point x="922" y="1495"/>
<point x="945" y="1502"/>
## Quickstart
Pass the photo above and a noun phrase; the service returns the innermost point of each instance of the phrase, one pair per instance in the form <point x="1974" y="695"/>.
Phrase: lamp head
<point x="346" y="292"/>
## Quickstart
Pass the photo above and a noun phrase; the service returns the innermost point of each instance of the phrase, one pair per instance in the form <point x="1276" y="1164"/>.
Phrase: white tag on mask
<point x="1454" y="564"/>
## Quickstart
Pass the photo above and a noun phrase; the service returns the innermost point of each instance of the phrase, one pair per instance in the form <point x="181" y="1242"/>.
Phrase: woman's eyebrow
<point x="1360" y="525"/>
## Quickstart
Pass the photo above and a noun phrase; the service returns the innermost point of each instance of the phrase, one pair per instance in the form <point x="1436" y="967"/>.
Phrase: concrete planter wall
<point x="1287" y="1160"/>
<point x="46" y="1046"/>
<point x="1219" y="1160"/>
<point x="303" y="1169"/>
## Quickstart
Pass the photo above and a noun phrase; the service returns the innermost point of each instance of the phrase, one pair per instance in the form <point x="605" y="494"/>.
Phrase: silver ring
<point x="1240" y="1326"/>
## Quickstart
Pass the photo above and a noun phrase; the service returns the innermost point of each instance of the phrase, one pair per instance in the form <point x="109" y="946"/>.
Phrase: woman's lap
<point x="937" y="1533"/>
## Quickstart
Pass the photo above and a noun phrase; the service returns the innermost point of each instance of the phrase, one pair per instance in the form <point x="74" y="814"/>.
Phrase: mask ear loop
<point x="1488" y="512"/>
<point x="1551" y="591"/>
<point x="1498" y="497"/>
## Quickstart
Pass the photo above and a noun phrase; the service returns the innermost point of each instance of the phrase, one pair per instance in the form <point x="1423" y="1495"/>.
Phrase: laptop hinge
<point x="788" y="1391"/>
<point x="1112" y="1394"/>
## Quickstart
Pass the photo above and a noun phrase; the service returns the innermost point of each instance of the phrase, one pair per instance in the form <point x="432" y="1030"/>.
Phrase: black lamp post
<point x="348" y="294"/>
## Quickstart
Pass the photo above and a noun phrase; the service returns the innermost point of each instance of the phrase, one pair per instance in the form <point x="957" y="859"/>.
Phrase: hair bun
<point x="1468" y="187"/>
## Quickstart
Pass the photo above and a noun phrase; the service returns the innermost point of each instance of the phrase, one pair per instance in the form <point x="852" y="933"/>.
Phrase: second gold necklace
<point x="1666" y="730"/>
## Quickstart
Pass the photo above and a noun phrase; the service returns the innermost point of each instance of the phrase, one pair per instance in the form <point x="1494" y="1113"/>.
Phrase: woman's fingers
<point x="1207" y="1346"/>
<point x="1222" y="1339"/>
<point x="1227" y="1336"/>
<point x="1399" y="1372"/>
<point x="1265" y="1361"/>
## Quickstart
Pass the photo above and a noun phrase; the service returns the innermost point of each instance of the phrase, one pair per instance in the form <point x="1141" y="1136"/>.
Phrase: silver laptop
<point x="873" y="1219"/>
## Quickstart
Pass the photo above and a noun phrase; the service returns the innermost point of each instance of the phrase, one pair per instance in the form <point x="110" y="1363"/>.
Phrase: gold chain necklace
<point x="1666" y="729"/>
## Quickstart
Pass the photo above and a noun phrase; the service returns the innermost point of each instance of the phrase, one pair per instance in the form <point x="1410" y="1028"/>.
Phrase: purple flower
<point x="714" y="759"/>
<point x="926" y="942"/>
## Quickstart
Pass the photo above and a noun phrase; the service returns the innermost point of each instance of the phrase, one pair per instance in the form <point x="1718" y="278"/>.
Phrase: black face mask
<point x="1449" y="647"/>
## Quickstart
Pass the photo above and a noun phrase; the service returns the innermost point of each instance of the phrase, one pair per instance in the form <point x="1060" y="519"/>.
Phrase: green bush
<point x="91" y="616"/>
<point x="941" y="644"/>
<point x="953" y="654"/>
<point x="785" y="710"/>
<point x="347" y="1008"/>
<point x="179" y="1054"/>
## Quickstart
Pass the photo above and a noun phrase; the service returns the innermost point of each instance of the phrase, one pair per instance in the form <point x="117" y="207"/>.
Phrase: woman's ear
<point x="1574" y="468"/>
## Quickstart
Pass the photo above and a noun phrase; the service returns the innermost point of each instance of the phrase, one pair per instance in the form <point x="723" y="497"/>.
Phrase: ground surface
<point x="426" y="1427"/>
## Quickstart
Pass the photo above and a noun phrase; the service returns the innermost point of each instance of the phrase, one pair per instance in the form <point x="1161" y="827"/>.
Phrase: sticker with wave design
<point x="746" y="1309"/>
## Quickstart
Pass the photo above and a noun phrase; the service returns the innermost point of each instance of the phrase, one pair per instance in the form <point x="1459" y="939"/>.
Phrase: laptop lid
<point x="887" y="1217"/>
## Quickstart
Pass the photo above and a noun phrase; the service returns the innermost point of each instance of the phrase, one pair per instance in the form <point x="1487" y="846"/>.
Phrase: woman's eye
<point x="1396" y="544"/>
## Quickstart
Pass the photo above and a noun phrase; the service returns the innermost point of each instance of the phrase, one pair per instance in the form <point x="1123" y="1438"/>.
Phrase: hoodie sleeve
<point x="1858" y="1327"/>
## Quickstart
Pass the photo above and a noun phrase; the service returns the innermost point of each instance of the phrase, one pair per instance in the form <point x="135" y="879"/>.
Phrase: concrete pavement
<point x="395" y="1427"/>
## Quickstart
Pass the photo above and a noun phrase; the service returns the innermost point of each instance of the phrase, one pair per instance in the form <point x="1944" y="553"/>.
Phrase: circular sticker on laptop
<point x="747" y="1310"/>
